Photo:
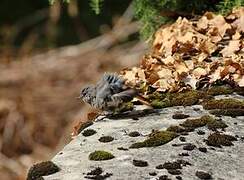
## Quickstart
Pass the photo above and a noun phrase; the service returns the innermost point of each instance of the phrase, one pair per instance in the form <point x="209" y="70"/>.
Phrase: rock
<point x="222" y="163"/>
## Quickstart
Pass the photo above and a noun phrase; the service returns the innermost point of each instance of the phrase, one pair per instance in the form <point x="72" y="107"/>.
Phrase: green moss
<point x="176" y="129"/>
<point x="223" y="104"/>
<point x="158" y="104"/>
<point x="88" y="132"/>
<point x="216" y="124"/>
<point x="219" y="90"/>
<point x="196" y="123"/>
<point x="156" y="139"/>
<point x="187" y="98"/>
<point x="128" y="106"/>
<point x="100" y="156"/>
<point x="42" y="169"/>
<point x="211" y="123"/>
<point x="227" y="112"/>
<point x="106" y="139"/>
<point x="216" y="139"/>
<point x="176" y="99"/>
<point x="180" y="116"/>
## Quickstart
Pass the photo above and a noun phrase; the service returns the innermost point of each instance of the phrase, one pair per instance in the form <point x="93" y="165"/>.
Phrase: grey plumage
<point x="108" y="93"/>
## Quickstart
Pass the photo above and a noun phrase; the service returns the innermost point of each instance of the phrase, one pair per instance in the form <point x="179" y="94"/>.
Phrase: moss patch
<point x="180" y="116"/>
<point x="100" y="156"/>
<point x="227" y="112"/>
<point x="216" y="139"/>
<point x="219" y="90"/>
<point x="157" y="138"/>
<point x="124" y="107"/>
<point x="140" y="163"/>
<point x="223" y="104"/>
<point x="176" y="99"/>
<point x="211" y="123"/>
<point x="89" y="132"/>
<point x="106" y="139"/>
<point x="42" y="169"/>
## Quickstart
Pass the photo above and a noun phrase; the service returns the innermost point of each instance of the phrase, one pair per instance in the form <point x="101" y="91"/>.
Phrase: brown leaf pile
<point x="188" y="53"/>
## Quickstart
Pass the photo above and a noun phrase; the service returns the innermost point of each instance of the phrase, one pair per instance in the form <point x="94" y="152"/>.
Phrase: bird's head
<point x="87" y="93"/>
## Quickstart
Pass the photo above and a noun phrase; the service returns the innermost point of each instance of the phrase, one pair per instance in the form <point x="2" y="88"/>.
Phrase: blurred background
<point x="47" y="53"/>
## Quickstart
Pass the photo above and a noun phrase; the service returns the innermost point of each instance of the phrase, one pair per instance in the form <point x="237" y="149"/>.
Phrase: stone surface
<point x="221" y="163"/>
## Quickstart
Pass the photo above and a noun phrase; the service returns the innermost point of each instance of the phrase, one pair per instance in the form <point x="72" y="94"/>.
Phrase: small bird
<point x="109" y="93"/>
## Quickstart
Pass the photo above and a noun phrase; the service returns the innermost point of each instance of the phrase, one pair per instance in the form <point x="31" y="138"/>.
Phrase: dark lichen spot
<point x="200" y="132"/>
<point x="189" y="147"/>
<point x="184" y="154"/>
<point x="100" y="156"/>
<point x="219" y="90"/>
<point x="223" y="104"/>
<point x="183" y="162"/>
<point x="160" y="166"/>
<point x="42" y="169"/>
<point x="180" y="116"/>
<point x="239" y="90"/>
<point x="134" y="134"/>
<point x="164" y="177"/>
<point x="178" y="177"/>
<point x="122" y="149"/>
<point x="97" y="174"/>
<point x="216" y="139"/>
<point x="157" y="138"/>
<point x="182" y="139"/>
<point x="88" y="132"/>
<point x="106" y="139"/>
<point x="135" y="118"/>
<point x="202" y="149"/>
<point x="227" y="112"/>
<point x="174" y="171"/>
<point x="84" y="126"/>
<point x="172" y="165"/>
<point x="203" y="175"/>
<point x="96" y="171"/>
<point x="152" y="173"/>
<point x="140" y="163"/>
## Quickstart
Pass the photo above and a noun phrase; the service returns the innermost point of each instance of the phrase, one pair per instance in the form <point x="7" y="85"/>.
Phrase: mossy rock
<point x="42" y="169"/>
<point x="156" y="139"/>
<point x="223" y="104"/>
<point x="100" y="156"/>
